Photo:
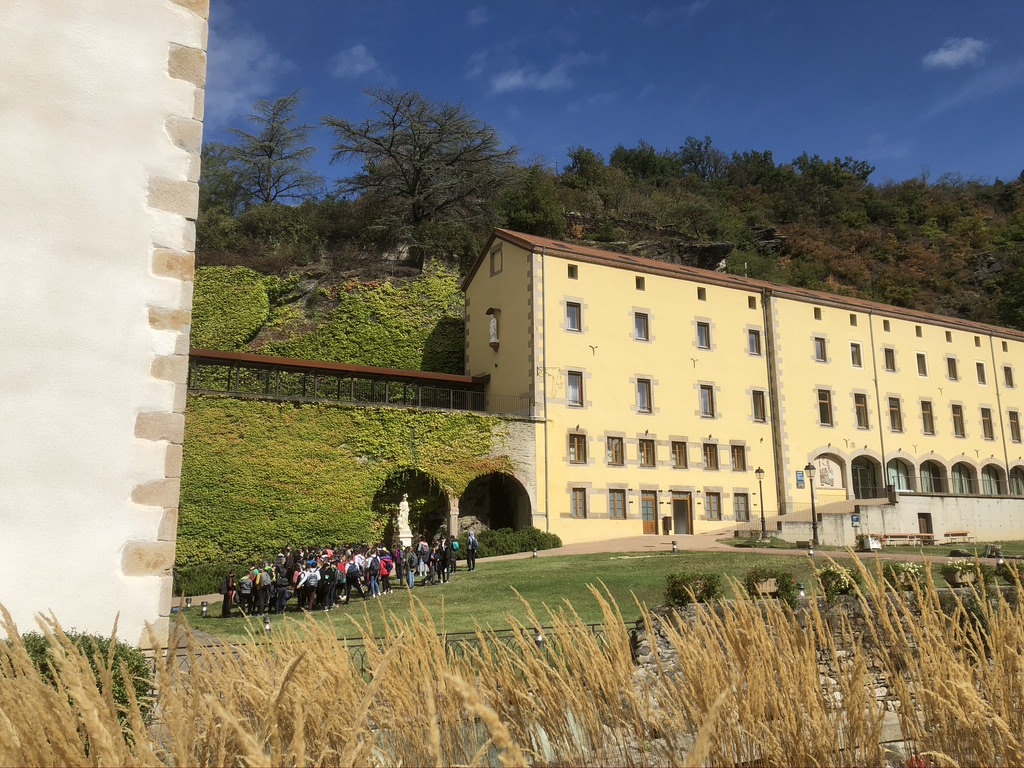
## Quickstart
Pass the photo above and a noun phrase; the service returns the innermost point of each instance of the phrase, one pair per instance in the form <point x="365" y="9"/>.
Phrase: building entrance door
<point x="682" y="514"/>
<point x="649" y="511"/>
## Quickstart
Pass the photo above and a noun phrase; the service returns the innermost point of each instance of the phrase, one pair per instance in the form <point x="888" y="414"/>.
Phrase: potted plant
<point x="903" y="576"/>
<point x="960" y="572"/>
<point x="837" y="580"/>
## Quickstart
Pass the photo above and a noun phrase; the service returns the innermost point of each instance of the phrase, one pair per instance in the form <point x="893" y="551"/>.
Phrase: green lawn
<point x="487" y="597"/>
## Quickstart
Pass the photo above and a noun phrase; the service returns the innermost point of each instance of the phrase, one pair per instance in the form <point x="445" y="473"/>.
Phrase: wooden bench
<point x="911" y="539"/>
<point x="957" y="537"/>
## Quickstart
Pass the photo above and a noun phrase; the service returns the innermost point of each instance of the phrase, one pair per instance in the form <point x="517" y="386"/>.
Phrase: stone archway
<point x="493" y="501"/>
<point x="867" y="473"/>
<point x="428" y="505"/>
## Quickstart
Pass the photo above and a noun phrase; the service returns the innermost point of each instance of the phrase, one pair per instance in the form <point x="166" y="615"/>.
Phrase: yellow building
<point x="658" y="390"/>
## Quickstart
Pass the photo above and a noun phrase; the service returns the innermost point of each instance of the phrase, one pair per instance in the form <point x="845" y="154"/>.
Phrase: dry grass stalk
<point x="745" y="682"/>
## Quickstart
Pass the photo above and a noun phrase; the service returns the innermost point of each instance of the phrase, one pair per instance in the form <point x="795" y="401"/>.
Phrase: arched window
<point x="931" y="478"/>
<point x="899" y="474"/>
<point x="1017" y="481"/>
<point x="963" y="480"/>
<point x="991" y="480"/>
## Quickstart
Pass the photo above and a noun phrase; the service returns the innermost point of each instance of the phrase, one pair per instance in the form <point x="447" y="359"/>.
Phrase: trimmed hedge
<point x="788" y="591"/>
<point x="97" y="647"/>
<point x="686" y="587"/>
<point x="505" y="541"/>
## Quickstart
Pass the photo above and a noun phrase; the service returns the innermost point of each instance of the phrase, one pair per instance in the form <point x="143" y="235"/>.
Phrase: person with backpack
<point x="264" y="580"/>
<point x="284" y="594"/>
<point x="245" y="593"/>
<point x="387" y="567"/>
<point x="329" y="579"/>
<point x="424" y="556"/>
<point x="352" y="576"/>
<point x="409" y="560"/>
<point x="472" y="545"/>
<point x="454" y="555"/>
<point x="373" y="573"/>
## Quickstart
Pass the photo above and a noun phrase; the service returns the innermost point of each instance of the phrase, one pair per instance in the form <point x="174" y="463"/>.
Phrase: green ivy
<point x="229" y="307"/>
<point x="412" y="324"/>
<point x="260" y="475"/>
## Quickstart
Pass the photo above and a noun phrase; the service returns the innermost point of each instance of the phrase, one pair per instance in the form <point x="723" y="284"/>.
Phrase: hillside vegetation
<point x="334" y="262"/>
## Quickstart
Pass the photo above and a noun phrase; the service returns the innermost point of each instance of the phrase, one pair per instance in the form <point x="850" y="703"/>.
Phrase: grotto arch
<point x="495" y="500"/>
<point x="429" y="505"/>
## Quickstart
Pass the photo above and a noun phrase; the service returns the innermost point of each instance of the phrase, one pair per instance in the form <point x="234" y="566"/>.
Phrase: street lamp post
<point x="759" y="474"/>
<point x="809" y="469"/>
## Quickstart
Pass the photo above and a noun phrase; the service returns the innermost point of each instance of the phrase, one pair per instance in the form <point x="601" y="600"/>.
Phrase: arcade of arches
<point x="931" y="476"/>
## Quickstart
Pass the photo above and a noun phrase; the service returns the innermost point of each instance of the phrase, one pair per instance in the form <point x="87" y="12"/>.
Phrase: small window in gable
<point x="574" y="272"/>
<point x="640" y="283"/>
<point x="702" y="294"/>
<point x="949" y="336"/>
<point x="853" y="320"/>
<point x="885" y="325"/>
<point x="817" y="313"/>
<point x="496" y="261"/>
<point x="917" y="331"/>
<point x="752" y="302"/>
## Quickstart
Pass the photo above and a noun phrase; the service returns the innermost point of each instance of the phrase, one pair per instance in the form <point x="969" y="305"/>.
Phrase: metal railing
<point x="267" y="382"/>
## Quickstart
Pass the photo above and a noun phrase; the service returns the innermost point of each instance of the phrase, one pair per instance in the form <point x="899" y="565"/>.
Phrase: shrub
<point x="837" y="580"/>
<point x="787" y="589"/>
<point x="505" y="541"/>
<point x="685" y="587"/>
<point x="204" y="579"/>
<point x="96" y="647"/>
<point x="1010" y="571"/>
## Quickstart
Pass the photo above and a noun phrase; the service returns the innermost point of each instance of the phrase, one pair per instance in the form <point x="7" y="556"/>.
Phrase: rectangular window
<point x="739" y="458"/>
<point x="949" y="336"/>
<point x="958" y="421"/>
<point x="895" y="415"/>
<point x="641" y="327"/>
<point x="702" y="294"/>
<point x="707" y="401"/>
<point x="649" y="506"/>
<point x="752" y="304"/>
<point x="825" y="407"/>
<point x="679" y="459"/>
<point x="982" y="378"/>
<point x="647" y="455"/>
<point x="927" y="417"/>
<point x="820" y="350"/>
<point x="714" y="504"/>
<point x="885" y="325"/>
<point x="579" y="503"/>
<point x="710" y="456"/>
<point x="574" y="388"/>
<point x="922" y="364"/>
<point x="951" y="370"/>
<point x="860" y="405"/>
<point x="577" y="449"/>
<point x="754" y="342"/>
<point x="641" y="283"/>
<point x="573" y="316"/>
<point x="986" y="424"/>
<point x="977" y="341"/>
<point x="890" y="359"/>
<point x="917" y="331"/>
<point x="1005" y="347"/>
<point x="496" y="261"/>
<point x="616" y="504"/>
<point x="616" y="452"/>
<point x="757" y="399"/>
<point x="1015" y="426"/>
<point x="643" y="395"/>
<point x="704" y="335"/>
<point x="1008" y="376"/>
<point x="741" y="507"/>
<point x="574" y="272"/>
<point x="853" y="320"/>
<point x="817" y="313"/>
<point x="855" y="358"/>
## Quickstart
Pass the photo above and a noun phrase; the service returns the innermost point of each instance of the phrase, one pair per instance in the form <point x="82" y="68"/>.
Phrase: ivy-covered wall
<point x="259" y="475"/>
<point x="411" y="323"/>
<point x="229" y="307"/>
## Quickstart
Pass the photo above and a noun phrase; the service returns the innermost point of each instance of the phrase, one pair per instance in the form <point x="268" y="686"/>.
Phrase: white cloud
<point x="242" y="68"/>
<point x="955" y="53"/>
<point x="477" y="17"/>
<point x="985" y="84"/>
<point x="556" y="78"/>
<point x="352" y="62"/>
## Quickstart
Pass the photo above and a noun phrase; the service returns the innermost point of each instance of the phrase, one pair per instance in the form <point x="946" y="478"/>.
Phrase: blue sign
<point x="855" y="520"/>
<point x="799" y="478"/>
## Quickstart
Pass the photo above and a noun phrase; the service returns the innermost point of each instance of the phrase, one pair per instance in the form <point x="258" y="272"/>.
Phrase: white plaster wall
<point x="84" y="93"/>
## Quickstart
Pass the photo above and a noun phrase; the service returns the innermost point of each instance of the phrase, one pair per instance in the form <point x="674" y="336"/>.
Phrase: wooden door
<point x="649" y="511"/>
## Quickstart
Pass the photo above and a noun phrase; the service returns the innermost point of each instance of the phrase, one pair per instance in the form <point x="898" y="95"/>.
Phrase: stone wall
<point x="102" y="125"/>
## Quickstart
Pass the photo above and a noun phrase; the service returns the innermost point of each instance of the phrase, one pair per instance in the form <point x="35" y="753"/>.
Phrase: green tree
<point x="698" y="158"/>
<point x="532" y="204"/>
<point x="219" y="185"/>
<point x="433" y="163"/>
<point x="272" y="163"/>
<point x="586" y="168"/>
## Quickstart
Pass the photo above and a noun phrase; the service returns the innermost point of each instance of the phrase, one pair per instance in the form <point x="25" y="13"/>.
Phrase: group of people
<point x="324" y="578"/>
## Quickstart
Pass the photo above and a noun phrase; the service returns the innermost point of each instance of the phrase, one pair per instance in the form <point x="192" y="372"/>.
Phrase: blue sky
<point x="913" y="86"/>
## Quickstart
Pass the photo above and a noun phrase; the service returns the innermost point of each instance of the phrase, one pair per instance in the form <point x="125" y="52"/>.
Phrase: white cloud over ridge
<point x="352" y="62"/>
<point x="241" y="68"/>
<point x="477" y="17"/>
<point x="955" y="53"/>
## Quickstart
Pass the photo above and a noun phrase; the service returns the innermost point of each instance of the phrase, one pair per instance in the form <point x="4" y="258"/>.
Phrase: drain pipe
<point x="544" y="386"/>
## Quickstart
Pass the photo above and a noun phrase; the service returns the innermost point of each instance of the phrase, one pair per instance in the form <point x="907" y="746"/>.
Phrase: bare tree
<point x="272" y="163"/>
<point x="432" y="162"/>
